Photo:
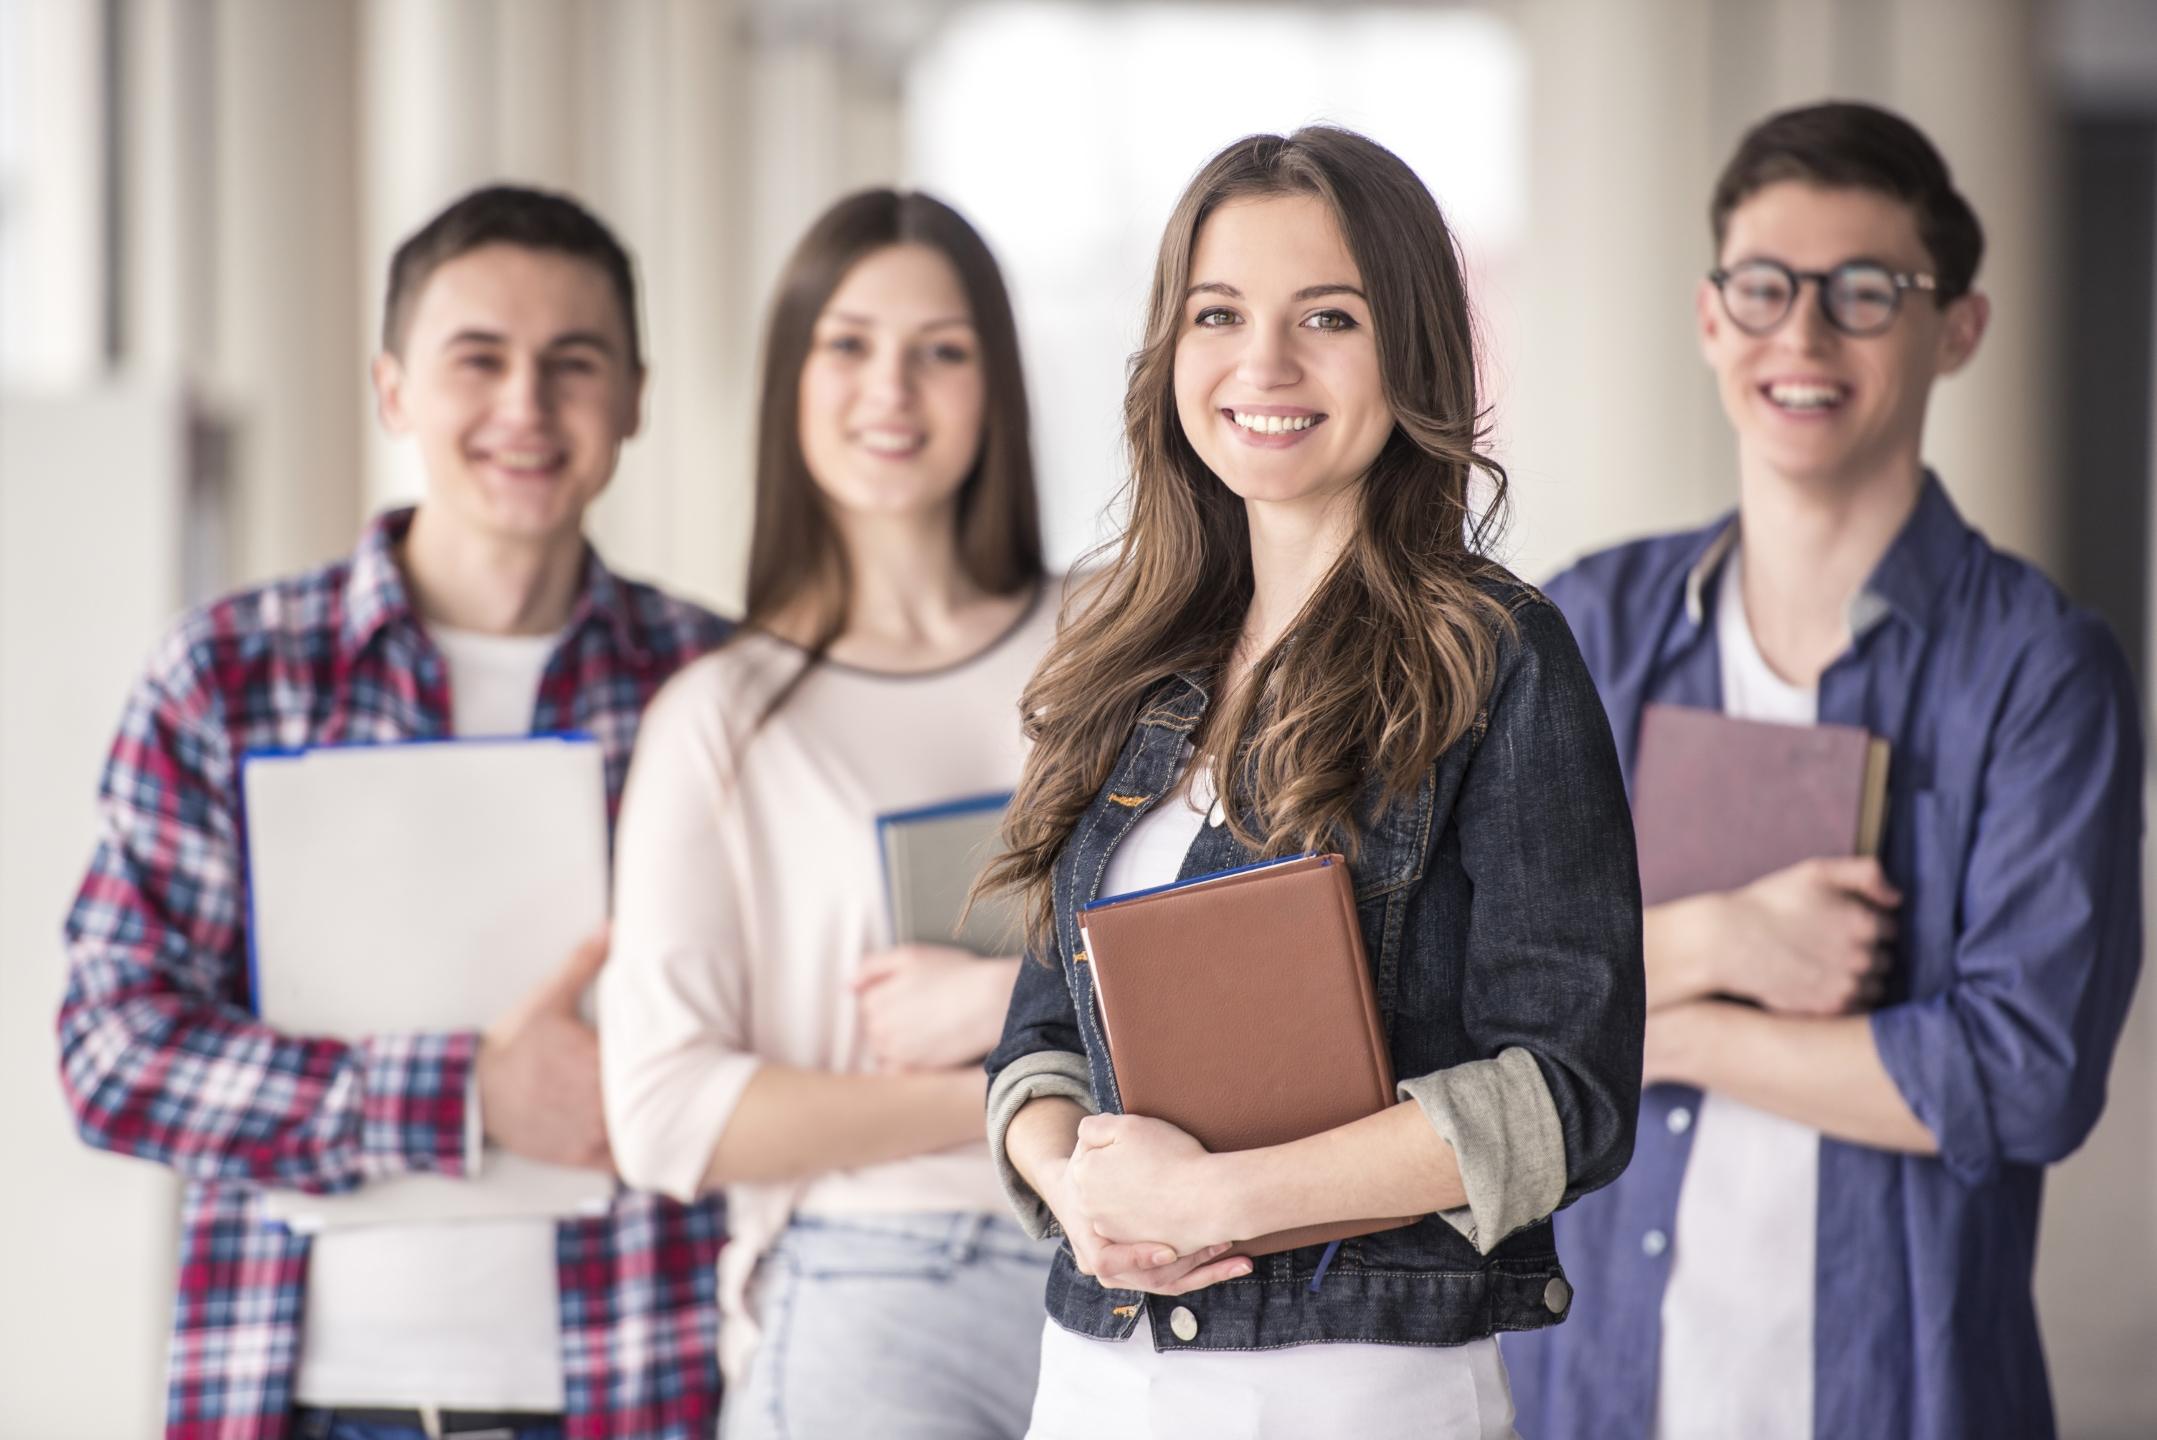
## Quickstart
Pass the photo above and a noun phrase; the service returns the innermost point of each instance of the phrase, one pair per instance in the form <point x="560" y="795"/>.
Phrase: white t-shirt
<point x="1737" y="1355"/>
<point x="463" y="1315"/>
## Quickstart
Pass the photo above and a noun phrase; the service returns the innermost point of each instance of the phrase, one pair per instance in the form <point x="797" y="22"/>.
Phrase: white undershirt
<point x="1151" y="852"/>
<point x="463" y="1315"/>
<point x="1377" y="1392"/>
<point x="1737" y="1356"/>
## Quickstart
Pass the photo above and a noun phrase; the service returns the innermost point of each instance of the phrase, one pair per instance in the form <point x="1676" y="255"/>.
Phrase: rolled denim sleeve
<point x="1040" y="1055"/>
<point x="1059" y="1074"/>
<point x="2006" y="1062"/>
<point x="1553" y="965"/>
<point x="1498" y="1117"/>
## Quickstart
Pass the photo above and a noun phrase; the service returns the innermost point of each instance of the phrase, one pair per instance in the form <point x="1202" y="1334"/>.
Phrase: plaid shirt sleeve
<point x="161" y="1057"/>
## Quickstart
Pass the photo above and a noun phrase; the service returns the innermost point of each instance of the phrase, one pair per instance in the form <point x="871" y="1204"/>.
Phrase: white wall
<point x="90" y="567"/>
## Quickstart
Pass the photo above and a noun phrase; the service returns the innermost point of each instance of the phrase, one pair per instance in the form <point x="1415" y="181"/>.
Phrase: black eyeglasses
<point x="1858" y="297"/>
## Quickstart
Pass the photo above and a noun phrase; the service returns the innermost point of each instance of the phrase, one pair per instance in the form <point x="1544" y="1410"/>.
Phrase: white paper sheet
<point x="424" y="887"/>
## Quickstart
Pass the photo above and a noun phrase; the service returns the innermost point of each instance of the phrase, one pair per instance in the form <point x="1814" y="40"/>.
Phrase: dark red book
<point x="1718" y="803"/>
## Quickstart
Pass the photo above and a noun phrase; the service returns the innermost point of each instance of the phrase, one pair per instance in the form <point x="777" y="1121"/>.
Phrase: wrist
<point x="964" y="1091"/>
<point x="1700" y="925"/>
<point x="1230" y="1191"/>
<point x="1683" y="1039"/>
<point x="1039" y="1141"/>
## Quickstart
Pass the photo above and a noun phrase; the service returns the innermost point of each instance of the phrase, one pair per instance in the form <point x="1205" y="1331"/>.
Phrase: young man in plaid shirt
<point x="511" y="358"/>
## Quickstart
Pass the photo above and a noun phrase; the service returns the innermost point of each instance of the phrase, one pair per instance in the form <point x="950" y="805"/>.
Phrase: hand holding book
<point x="931" y="1007"/>
<point x="538" y="1070"/>
<point x="1757" y="843"/>
<point x="1043" y="1143"/>
<point x="1136" y="1175"/>
<point x="1809" y="939"/>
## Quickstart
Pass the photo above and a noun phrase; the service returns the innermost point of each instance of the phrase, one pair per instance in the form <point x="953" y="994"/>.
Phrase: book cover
<point x="1238" y="1007"/>
<point x="1720" y="802"/>
<point x="932" y="856"/>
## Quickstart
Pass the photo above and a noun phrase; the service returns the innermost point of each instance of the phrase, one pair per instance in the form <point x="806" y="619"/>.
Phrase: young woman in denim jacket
<point x="1300" y="622"/>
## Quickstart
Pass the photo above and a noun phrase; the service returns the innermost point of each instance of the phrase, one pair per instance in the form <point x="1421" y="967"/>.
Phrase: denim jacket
<point x="1500" y="907"/>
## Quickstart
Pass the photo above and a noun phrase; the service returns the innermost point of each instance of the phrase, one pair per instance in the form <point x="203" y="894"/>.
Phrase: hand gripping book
<point x="1238" y="1007"/>
<point x="1718" y="802"/>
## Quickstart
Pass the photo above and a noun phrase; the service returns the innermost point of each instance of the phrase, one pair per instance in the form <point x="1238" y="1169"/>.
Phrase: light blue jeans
<point x="905" y="1327"/>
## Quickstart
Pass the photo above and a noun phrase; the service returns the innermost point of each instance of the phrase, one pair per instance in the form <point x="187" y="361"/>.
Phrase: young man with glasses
<point x="1858" y="1069"/>
<point x="510" y="358"/>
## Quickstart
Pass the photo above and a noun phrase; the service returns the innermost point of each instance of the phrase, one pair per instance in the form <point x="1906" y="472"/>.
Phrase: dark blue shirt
<point x="2014" y="832"/>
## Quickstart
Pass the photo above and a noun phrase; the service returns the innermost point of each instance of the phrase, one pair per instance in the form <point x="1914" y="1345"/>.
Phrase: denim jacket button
<point x="1182" y="1323"/>
<point x="1557" y="1295"/>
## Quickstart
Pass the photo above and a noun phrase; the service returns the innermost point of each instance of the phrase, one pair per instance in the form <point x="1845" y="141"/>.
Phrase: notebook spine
<point x="1381" y="1061"/>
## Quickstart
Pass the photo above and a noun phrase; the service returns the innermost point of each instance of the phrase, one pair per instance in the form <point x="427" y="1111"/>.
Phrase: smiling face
<point x="515" y="382"/>
<point x="1276" y="370"/>
<point x="1808" y="402"/>
<point x="892" y="394"/>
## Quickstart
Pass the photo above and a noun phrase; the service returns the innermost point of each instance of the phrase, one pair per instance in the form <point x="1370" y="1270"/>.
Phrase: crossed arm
<point x="1808" y="945"/>
<point x="2000" y="1051"/>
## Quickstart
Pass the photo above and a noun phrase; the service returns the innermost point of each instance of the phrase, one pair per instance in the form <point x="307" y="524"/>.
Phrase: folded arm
<point x="2004" y="1062"/>
<point x="695" y="1098"/>
<point x="160" y="1056"/>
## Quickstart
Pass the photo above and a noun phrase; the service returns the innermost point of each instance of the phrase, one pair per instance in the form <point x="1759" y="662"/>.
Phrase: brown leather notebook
<point x="1238" y="1007"/>
<point x="1718" y="803"/>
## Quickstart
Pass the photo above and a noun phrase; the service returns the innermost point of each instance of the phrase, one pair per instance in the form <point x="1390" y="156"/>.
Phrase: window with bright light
<point x="1070" y="168"/>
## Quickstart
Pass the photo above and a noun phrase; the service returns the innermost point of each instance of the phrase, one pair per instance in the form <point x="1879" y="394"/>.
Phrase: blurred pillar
<point x="1615" y="427"/>
<point x="670" y="168"/>
<point x="168" y="260"/>
<point x="428" y="95"/>
<point x="1973" y="77"/>
<point x="827" y="118"/>
<point x="52" y="280"/>
<point x="286" y="358"/>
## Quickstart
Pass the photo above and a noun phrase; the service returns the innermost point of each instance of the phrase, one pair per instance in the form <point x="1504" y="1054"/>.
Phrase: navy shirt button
<point x="1654" y="1243"/>
<point x="1679" y="1120"/>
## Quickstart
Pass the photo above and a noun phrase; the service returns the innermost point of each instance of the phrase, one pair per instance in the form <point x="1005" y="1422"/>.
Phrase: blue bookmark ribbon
<point x="1324" y="1261"/>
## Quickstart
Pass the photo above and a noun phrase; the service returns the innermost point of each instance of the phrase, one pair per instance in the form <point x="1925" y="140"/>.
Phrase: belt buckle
<point x="436" y="1422"/>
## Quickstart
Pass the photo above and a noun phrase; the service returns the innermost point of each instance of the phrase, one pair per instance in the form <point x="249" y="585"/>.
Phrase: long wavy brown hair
<point x="796" y="555"/>
<point x="1395" y="651"/>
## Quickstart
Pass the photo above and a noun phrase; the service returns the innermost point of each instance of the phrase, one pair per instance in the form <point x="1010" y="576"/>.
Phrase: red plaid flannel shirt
<point x="162" y="1057"/>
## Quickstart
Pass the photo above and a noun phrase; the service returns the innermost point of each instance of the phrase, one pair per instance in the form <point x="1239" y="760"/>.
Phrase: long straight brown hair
<point x="1395" y="651"/>
<point x="795" y="553"/>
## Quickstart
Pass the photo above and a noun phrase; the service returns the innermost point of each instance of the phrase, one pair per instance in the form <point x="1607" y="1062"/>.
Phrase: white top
<point x="748" y="888"/>
<point x="1151" y="852"/>
<point x="464" y="1315"/>
<point x="1737" y="1355"/>
<point x="1094" y="1387"/>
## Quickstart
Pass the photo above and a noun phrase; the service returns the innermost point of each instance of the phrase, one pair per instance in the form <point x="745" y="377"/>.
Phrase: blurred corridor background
<point x="198" y="199"/>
